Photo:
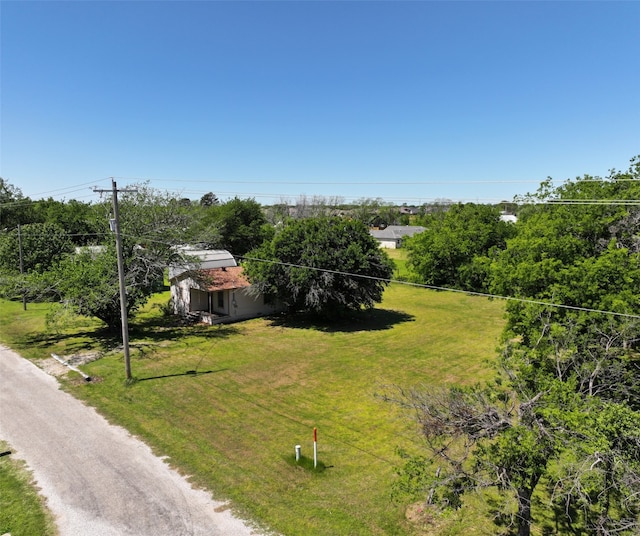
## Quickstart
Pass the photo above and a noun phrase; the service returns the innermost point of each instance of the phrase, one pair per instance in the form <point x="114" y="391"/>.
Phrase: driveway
<point x="97" y="478"/>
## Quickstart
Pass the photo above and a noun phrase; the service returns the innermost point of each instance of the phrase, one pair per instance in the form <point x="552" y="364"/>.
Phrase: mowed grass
<point x="22" y="511"/>
<point x="227" y="404"/>
<point x="399" y="257"/>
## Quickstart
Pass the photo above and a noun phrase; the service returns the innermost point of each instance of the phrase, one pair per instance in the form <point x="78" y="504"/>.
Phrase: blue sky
<point x="405" y="101"/>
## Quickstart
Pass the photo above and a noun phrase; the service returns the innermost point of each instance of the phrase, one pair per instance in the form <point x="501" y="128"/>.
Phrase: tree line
<point x="65" y="252"/>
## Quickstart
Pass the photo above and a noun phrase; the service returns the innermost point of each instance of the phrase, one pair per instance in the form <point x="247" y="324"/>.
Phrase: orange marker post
<point x="315" y="448"/>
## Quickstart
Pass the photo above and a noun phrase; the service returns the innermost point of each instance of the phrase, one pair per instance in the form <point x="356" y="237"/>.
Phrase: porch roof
<point x="228" y="278"/>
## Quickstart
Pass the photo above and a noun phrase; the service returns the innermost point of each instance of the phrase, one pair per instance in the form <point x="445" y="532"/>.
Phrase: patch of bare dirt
<point x="423" y="517"/>
<point x="55" y="368"/>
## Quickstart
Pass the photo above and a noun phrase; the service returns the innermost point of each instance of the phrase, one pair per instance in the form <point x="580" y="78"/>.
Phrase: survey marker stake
<point x="315" y="448"/>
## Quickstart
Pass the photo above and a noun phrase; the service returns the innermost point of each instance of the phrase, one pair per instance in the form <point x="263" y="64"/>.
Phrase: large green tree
<point x="15" y="208"/>
<point x="237" y="225"/>
<point x="78" y="219"/>
<point x="577" y="247"/>
<point x="452" y="251"/>
<point x="41" y="245"/>
<point x="88" y="283"/>
<point x="322" y="265"/>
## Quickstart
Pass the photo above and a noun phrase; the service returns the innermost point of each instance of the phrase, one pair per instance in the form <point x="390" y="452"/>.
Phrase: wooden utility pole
<point x="24" y="292"/>
<point x="115" y="227"/>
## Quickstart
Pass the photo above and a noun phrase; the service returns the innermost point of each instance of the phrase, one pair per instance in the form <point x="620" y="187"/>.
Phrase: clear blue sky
<point x="406" y="101"/>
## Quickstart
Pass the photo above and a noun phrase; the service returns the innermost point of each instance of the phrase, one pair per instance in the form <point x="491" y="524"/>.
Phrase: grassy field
<point x="399" y="256"/>
<point x="227" y="404"/>
<point x="22" y="510"/>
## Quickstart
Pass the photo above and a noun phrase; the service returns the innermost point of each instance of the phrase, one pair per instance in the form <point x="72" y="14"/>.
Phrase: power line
<point x="388" y="182"/>
<point x="605" y="202"/>
<point x="401" y="282"/>
<point x="430" y="287"/>
<point x="518" y="198"/>
<point x="447" y="289"/>
<point x="71" y="189"/>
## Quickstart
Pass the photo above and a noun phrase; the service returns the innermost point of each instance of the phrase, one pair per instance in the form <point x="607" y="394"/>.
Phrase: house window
<point x="221" y="300"/>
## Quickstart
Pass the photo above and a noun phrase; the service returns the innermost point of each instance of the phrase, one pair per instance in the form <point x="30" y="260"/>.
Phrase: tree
<point x="152" y="225"/>
<point x="315" y="207"/>
<point x="365" y="210"/>
<point x="78" y="219"/>
<point x="237" y="225"/>
<point x="560" y="227"/>
<point x="88" y="283"/>
<point x="512" y="436"/>
<point x="450" y="253"/>
<point x="242" y="224"/>
<point x="209" y="199"/>
<point x="322" y="265"/>
<point x="477" y="439"/>
<point x="15" y="209"/>
<point x="581" y="256"/>
<point x="43" y="244"/>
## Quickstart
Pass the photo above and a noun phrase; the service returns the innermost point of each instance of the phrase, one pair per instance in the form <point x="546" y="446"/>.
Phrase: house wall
<point x="220" y="307"/>
<point x="388" y="244"/>
<point x="238" y="304"/>
<point x="180" y="298"/>
<point x="242" y="304"/>
<point x="186" y="297"/>
<point x="199" y="300"/>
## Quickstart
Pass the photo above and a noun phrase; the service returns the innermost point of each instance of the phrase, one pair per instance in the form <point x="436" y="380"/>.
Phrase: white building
<point x="214" y="289"/>
<point x="391" y="237"/>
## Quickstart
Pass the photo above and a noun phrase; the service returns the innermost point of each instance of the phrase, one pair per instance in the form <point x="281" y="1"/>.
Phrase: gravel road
<point x="97" y="478"/>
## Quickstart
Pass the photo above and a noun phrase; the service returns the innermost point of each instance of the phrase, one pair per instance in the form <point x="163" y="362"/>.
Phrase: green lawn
<point x="228" y="404"/>
<point x="399" y="256"/>
<point x="22" y="510"/>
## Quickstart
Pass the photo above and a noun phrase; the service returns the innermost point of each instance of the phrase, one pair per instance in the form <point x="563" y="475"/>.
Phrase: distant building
<point x="93" y="251"/>
<point x="509" y="218"/>
<point x="391" y="237"/>
<point x="411" y="211"/>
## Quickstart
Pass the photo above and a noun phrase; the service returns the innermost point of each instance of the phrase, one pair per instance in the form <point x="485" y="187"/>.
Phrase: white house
<point x="214" y="289"/>
<point x="509" y="218"/>
<point x="391" y="237"/>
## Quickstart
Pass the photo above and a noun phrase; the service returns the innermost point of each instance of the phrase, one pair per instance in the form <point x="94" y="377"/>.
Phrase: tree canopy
<point x="452" y="251"/>
<point x="14" y="207"/>
<point x="237" y="225"/>
<point x="42" y="245"/>
<point x="321" y="265"/>
<point x="151" y="224"/>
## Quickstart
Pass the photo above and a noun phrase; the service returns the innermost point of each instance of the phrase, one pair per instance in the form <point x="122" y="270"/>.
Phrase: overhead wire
<point x="518" y="199"/>
<point x="70" y="189"/>
<point x="447" y="289"/>
<point x="396" y="281"/>
<point x="432" y="287"/>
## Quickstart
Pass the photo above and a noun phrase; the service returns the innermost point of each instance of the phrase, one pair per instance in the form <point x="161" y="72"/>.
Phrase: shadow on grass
<point x="86" y="340"/>
<point x="143" y="332"/>
<point x="306" y="463"/>
<point x="187" y="373"/>
<point x="170" y="328"/>
<point x="369" y="320"/>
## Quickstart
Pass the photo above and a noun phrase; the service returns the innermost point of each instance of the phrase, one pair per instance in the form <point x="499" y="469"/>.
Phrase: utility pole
<point x="115" y="227"/>
<point x="24" y="292"/>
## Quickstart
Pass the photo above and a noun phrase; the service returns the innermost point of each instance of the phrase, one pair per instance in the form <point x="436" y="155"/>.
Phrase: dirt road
<point x="98" y="480"/>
